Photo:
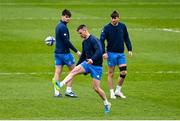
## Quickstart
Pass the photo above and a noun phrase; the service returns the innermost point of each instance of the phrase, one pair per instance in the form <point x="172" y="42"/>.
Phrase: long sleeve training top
<point x="63" y="44"/>
<point x="91" y="49"/>
<point x="116" y="36"/>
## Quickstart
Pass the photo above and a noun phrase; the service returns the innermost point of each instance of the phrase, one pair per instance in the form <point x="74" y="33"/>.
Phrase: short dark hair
<point x="81" y="27"/>
<point x="66" y="12"/>
<point x="114" y="14"/>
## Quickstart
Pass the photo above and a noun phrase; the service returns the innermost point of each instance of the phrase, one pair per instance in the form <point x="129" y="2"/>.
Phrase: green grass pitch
<point x="27" y="64"/>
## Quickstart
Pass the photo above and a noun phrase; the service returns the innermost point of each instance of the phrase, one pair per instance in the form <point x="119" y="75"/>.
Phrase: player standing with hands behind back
<point x="116" y="35"/>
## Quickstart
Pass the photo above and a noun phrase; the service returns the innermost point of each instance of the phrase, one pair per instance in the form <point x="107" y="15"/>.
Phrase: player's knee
<point x="96" y="88"/>
<point x="123" y="71"/>
<point x="57" y="71"/>
<point x="122" y="76"/>
<point x="74" y="71"/>
<point x="110" y="74"/>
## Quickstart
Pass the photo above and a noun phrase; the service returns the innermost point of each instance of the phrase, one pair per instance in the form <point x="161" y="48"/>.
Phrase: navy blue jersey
<point x="91" y="49"/>
<point x="63" y="44"/>
<point x="116" y="36"/>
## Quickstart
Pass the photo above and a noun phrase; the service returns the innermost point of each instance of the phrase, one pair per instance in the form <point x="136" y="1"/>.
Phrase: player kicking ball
<point x="89" y="62"/>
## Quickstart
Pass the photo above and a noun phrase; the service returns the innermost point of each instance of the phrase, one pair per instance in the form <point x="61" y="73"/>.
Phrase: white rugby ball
<point x="50" y="40"/>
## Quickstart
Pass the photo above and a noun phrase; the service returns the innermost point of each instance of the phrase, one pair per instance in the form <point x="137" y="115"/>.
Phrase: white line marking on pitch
<point x="51" y="73"/>
<point x="176" y="30"/>
<point x="157" y="29"/>
<point x="96" y="3"/>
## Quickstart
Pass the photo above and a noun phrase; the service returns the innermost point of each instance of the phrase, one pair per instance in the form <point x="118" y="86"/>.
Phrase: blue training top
<point x="91" y="49"/>
<point x="116" y="36"/>
<point x="63" y="43"/>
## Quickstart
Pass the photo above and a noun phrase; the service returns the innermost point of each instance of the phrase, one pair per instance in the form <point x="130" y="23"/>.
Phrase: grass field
<point x="27" y="64"/>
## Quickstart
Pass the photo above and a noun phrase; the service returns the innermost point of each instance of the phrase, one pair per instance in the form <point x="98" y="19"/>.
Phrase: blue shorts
<point x="95" y="71"/>
<point x="64" y="59"/>
<point x="116" y="59"/>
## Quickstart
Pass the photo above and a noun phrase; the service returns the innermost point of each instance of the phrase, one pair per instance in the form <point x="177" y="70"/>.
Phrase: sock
<point x="118" y="88"/>
<point x="58" y="82"/>
<point x="112" y="91"/>
<point x="56" y="92"/>
<point x="106" y="102"/>
<point x="62" y="84"/>
<point x="68" y="89"/>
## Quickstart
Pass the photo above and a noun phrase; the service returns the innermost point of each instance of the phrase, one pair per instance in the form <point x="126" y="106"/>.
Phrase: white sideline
<point x="96" y="3"/>
<point x="51" y="73"/>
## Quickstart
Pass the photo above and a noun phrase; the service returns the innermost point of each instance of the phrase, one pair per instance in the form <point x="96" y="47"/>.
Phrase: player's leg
<point x="112" y="61"/>
<point x="123" y="73"/>
<point x="57" y="73"/>
<point x="96" y="74"/>
<point x="69" y="91"/>
<point x="69" y="84"/>
<point x="77" y="70"/>
<point x="121" y="78"/>
<point x="101" y="93"/>
<point x="110" y="81"/>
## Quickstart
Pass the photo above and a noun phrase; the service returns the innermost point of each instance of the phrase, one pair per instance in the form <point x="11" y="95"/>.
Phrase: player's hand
<point x="89" y="61"/>
<point x="130" y="53"/>
<point x="105" y="55"/>
<point x="78" y="53"/>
